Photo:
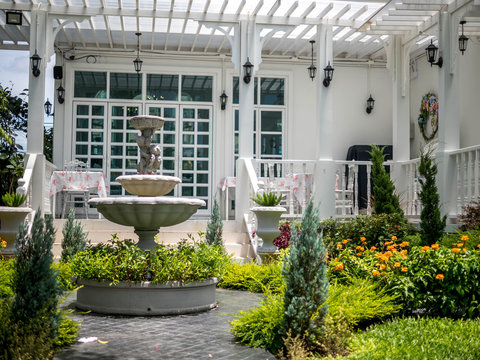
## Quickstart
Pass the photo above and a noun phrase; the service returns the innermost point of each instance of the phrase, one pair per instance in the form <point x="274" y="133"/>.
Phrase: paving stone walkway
<point x="196" y="336"/>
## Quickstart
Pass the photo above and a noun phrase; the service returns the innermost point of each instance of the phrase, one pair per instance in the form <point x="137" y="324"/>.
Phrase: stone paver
<point x="196" y="336"/>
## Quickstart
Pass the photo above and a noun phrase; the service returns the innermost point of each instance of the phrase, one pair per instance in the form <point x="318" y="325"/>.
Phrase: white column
<point x="36" y="98"/>
<point x="399" y="61"/>
<point x="448" y="120"/>
<point x="325" y="170"/>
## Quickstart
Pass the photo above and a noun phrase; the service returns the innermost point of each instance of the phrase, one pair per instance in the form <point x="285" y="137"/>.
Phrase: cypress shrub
<point x="215" y="226"/>
<point x="432" y="223"/>
<point x="306" y="283"/>
<point x="74" y="239"/>
<point x="384" y="198"/>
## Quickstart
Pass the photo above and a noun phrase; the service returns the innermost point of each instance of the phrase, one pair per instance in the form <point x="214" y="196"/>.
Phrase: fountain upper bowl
<point x="141" y="122"/>
<point x="148" y="185"/>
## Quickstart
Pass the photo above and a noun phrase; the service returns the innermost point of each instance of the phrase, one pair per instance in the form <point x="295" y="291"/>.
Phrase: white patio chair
<point x="75" y="197"/>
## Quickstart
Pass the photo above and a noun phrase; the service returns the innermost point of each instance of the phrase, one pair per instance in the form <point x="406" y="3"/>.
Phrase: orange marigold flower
<point x="359" y="254"/>
<point x="435" y="246"/>
<point x="403" y="244"/>
<point x="464" y="250"/>
<point x="388" y="254"/>
<point x="336" y="259"/>
<point x="478" y="246"/>
<point x="373" y="248"/>
<point x="397" y="264"/>
<point x="425" y="248"/>
<point x="338" y="267"/>
<point x="375" y="272"/>
<point x="363" y="238"/>
<point x="460" y="244"/>
<point x="4" y="243"/>
<point x="465" y="238"/>
<point x="388" y="243"/>
<point x="404" y="256"/>
<point x="344" y="241"/>
<point x="339" y="246"/>
<point x="405" y="251"/>
<point x="390" y="247"/>
<point x="394" y="238"/>
<point x="377" y="264"/>
<point x="404" y="269"/>
<point x="383" y="267"/>
<point x="456" y="250"/>
<point x="440" y="277"/>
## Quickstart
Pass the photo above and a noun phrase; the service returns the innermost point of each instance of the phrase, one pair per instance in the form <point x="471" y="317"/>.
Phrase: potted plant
<point x="11" y="216"/>
<point x="268" y="215"/>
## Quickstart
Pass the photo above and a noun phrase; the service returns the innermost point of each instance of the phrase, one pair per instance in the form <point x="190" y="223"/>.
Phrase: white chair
<point x="75" y="198"/>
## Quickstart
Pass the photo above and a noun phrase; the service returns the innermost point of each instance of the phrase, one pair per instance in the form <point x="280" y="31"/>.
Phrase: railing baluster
<point x="369" y="205"/>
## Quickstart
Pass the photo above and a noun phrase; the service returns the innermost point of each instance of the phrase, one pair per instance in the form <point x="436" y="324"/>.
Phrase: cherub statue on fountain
<point x="150" y="155"/>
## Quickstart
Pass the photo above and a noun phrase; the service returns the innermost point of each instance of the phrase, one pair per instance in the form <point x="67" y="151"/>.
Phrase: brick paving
<point x="195" y="336"/>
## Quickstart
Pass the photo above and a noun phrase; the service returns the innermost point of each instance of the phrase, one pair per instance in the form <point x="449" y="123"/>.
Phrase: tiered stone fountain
<point x="147" y="212"/>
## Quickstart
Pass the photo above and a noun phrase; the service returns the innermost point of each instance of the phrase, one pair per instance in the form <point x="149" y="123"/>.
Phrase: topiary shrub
<point x="74" y="239"/>
<point x="214" y="226"/>
<point x="432" y="223"/>
<point x="306" y="284"/>
<point x="385" y="199"/>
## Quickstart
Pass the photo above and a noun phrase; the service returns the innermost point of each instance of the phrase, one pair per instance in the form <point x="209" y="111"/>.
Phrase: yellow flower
<point x="4" y="243"/>
<point x="375" y="272"/>
<point x="440" y="277"/>
<point x="397" y="264"/>
<point x="403" y="244"/>
<point x="460" y="244"/>
<point x="456" y="250"/>
<point x="363" y="238"/>
<point x="338" y="267"/>
<point x="339" y="246"/>
<point x="425" y="248"/>
<point x="383" y="267"/>
<point x="336" y="259"/>
<point x="394" y="238"/>
<point x="435" y="247"/>
<point x="373" y="248"/>
<point x="465" y="238"/>
<point x="404" y="269"/>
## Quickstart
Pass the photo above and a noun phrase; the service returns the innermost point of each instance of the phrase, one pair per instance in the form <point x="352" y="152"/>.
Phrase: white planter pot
<point x="10" y="220"/>
<point x="145" y="298"/>
<point x="267" y="226"/>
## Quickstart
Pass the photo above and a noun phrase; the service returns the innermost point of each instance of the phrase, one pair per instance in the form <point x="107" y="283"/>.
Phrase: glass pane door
<point x="122" y="147"/>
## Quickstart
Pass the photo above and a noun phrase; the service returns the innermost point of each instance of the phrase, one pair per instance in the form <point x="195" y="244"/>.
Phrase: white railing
<point x="25" y="183"/>
<point x="467" y="171"/>
<point x="412" y="206"/>
<point x="47" y="199"/>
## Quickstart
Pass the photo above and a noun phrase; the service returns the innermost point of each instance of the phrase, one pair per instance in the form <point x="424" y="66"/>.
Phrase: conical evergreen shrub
<point x="432" y="223"/>
<point x="214" y="226"/>
<point x="74" y="239"/>
<point x="306" y="282"/>
<point x="384" y="198"/>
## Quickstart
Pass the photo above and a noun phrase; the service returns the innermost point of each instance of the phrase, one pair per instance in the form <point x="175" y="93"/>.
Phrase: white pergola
<point x="388" y="32"/>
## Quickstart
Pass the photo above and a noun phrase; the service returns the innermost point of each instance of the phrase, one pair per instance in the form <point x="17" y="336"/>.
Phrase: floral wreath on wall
<point x="428" y="111"/>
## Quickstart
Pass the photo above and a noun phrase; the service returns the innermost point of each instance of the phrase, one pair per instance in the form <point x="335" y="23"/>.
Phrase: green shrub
<point x="306" y="284"/>
<point x="74" y="239"/>
<point x="449" y="240"/>
<point x="13" y="199"/>
<point x="7" y="268"/>
<point x="124" y="261"/>
<point x="267" y="199"/>
<point x="214" y="226"/>
<point x="432" y="223"/>
<point x="65" y="276"/>
<point x="67" y="330"/>
<point x="418" y="339"/>
<point x="385" y="200"/>
<point x="254" y="278"/>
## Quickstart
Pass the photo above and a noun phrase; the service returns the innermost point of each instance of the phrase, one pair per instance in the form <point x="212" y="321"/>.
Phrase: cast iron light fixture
<point x="35" y="60"/>
<point x="137" y="63"/>
<point x="248" y="66"/>
<point x="312" y="69"/>
<point x="61" y="94"/>
<point x="48" y="108"/>
<point x="432" y="55"/>
<point x="223" y="99"/>
<point x="462" y="40"/>
<point x="370" y="104"/>
<point x="328" y="70"/>
<point x="14" y="17"/>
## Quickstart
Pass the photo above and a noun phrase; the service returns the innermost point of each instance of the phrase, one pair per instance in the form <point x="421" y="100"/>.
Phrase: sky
<point x="14" y="74"/>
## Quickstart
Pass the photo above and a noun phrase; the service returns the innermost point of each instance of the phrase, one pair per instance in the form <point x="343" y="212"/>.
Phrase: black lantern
<point x="312" y="69"/>
<point x="48" y="108"/>
<point x="14" y="17"/>
<point x="462" y="40"/>
<point x="432" y="55"/>
<point x="223" y="99"/>
<point x="328" y="70"/>
<point x="61" y="94"/>
<point x="137" y="63"/>
<point x="35" y="63"/>
<point x="248" y="66"/>
<point x="370" y="104"/>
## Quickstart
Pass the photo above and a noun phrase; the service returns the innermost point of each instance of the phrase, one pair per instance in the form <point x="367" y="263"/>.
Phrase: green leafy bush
<point x="7" y="268"/>
<point x="74" y="239"/>
<point x="267" y="199"/>
<point x="254" y="278"/>
<point x="67" y="330"/>
<point x="65" y="276"/>
<point x="124" y="261"/>
<point x="418" y="339"/>
<point x="13" y="199"/>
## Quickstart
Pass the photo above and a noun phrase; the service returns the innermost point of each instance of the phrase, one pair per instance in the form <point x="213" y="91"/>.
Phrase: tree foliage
<point x="215" y="226"/>
<point x="306" y="283"/>
<point x="432" y="223"/>
<point x="74" y="239"/>
<point x="384" y="197"/>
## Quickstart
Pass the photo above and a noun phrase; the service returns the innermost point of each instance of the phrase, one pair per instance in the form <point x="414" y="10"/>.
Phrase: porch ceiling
<point x="360" y="28"/>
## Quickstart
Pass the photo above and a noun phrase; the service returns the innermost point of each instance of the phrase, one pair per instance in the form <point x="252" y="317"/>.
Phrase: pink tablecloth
<point x="77" y="181"/>
<point x="227" y="182"/>
<point x="302" y="185"/>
